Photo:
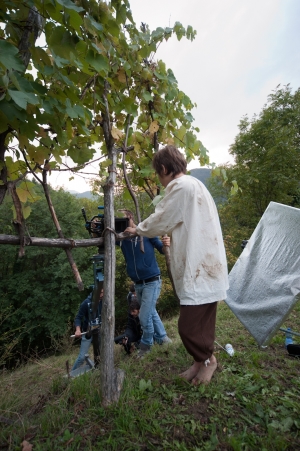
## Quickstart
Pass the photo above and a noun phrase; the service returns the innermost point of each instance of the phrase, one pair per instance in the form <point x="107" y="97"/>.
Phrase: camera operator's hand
<point x="77" y="332"/>
<point x="166" y="240"/>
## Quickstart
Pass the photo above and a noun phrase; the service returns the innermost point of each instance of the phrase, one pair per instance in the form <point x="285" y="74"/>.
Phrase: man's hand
<point x="166" y="241"/>
<point x="131" y="231"/>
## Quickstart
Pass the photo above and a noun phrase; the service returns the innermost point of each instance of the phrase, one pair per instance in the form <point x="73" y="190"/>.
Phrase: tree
<point x="94" y="83"/>
<point x="37" y="291"/>
<point x="55" y="106"/>
<point x="267" y="153"/>
<point x="267" y="168"/>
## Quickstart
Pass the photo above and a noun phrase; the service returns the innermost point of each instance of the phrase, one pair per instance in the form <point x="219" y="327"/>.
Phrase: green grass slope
<point x="252" y="403"/>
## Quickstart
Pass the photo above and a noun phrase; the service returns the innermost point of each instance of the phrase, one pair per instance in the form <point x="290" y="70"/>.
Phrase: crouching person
<point x="133" y="331"/>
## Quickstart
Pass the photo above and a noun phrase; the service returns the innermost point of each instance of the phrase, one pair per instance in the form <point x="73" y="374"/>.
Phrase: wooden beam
<point x="63" y="243"/>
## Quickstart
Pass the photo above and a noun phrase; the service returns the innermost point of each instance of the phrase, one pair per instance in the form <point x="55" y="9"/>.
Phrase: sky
<point x="242" y="51"/>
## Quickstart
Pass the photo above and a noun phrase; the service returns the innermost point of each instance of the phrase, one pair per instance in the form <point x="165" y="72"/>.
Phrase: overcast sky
<point x="242" y="51"/>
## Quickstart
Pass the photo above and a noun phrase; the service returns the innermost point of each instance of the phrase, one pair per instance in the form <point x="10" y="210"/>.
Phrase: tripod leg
<point x="96" y="313"/>
<point x="96" y="345"/>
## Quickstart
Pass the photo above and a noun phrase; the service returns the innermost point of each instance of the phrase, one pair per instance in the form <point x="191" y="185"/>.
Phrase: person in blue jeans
<point x="143" y="270"/>
<point x="81" y="323"/>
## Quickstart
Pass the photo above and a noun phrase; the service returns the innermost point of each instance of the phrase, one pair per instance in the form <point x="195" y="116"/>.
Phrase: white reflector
<point x="264" y="284"/>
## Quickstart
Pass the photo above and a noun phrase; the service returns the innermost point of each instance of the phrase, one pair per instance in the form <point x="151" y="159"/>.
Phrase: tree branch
<point x="128" y="184"/>
<point x="87" y="86"/>
<point x="59" y="231"/>
<point x="3" y="171"/>
<point x="106" y="122"/>
<point x="33" y="27"/>
<point x="19" y="221"/>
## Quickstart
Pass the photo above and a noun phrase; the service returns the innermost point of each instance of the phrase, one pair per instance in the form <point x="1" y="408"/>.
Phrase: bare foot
<point x="191" y="372"/>
<point x="205" y="373"/>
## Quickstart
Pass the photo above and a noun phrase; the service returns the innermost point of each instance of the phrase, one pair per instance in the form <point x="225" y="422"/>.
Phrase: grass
<point x="252" y="403"/>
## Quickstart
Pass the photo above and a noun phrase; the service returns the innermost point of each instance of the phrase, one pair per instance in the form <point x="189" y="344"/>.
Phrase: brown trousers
<point x="196" y="327"/>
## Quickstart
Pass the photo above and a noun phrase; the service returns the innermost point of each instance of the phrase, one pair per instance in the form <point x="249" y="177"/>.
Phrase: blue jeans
<point x="153" y="328"/>
<point x="84" y="348"/>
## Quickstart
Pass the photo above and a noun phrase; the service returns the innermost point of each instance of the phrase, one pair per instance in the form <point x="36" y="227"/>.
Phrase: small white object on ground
<point x="229" y="349"/>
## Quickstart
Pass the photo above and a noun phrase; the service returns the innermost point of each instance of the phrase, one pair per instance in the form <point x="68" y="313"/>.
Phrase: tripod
<point x="96" y="228"/>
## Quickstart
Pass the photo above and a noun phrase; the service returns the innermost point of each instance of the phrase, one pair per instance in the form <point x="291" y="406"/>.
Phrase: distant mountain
<point x="86" y="195"/>
<point x="201" y="174"/>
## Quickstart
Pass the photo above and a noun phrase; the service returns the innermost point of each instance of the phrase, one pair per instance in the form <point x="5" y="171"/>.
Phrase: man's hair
<point x="134" y="305"/>
<point x="171" y="158"/>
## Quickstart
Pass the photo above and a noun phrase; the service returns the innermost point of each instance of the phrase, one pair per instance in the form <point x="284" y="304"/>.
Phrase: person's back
<point x="141" y="265"/>
<point x="201" y="271"/>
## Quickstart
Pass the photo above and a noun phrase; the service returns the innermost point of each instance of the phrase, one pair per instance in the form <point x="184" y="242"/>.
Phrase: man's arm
<point x="131" y="231"/>
<point x="82" y="312"/>
<point x="166" y="217"/>
<point x="160" y="244"/>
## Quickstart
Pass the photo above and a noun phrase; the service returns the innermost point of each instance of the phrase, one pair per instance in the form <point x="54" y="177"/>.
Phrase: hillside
<point x="85" y="194"/>
<point x="201" y="174"/>
<point x="252" y="402"/>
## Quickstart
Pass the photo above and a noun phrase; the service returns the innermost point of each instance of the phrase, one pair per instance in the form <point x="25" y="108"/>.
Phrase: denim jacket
<point x="82" y="316"/>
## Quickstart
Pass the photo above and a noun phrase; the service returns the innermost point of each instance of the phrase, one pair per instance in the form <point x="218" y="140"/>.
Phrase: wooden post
<point x="111" y="378"/>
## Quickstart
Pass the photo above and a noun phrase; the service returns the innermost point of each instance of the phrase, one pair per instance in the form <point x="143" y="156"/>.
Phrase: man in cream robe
<point x="198" y="261"/>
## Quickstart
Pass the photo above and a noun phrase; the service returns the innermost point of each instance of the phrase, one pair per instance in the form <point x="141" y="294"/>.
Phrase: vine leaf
<point x="26" y="192"/>
<point x="23" y="98"/>
<point x="116" y="134"/>
<point x="9" y="56"/>
<point x="122" y="76"/>
<point x="154" y="127"/>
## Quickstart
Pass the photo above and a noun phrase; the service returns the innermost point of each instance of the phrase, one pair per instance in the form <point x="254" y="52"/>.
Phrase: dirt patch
<point x="198" y="410"/>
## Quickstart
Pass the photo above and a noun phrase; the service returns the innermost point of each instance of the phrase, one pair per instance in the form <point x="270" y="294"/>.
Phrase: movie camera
<point x="96" y="226"/>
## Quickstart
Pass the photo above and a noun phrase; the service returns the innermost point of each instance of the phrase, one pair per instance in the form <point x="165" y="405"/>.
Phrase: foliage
<point x="76" y="88"/>
<point x="267" y="153"/>
<point x="252" y="402"/>
<point x="9" y="338"/>
<point x="234" y="229"/>
<point x="267" y="168"/>
<point x="39" y="289"/>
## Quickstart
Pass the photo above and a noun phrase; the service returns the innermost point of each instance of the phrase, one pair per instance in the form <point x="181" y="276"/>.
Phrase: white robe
<point x="188" y="214"/>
